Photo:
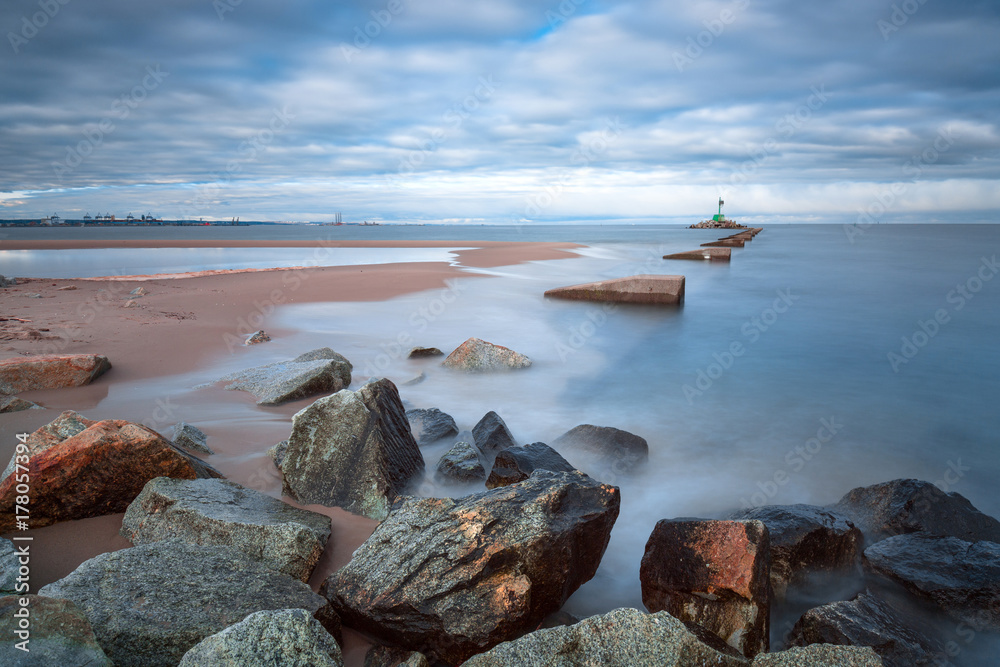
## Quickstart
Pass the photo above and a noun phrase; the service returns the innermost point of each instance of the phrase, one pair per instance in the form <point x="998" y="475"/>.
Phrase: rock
<point x="618" y="450"/>
<point x="282" y="638"/>
<point x="15" y="404"/>
<point x="81" y="468"/>
<point x="820" y="655"/>
<point x="430" y="425"/>
<point x="909" y="506"/>
<point x="805" y="539"/>
<point x="8" y="567"/>
<point x="7" y="282"/>
<point x="461" y="463"/>
<point x="621" y="638"/>
<point x="131" y="303"/>
<point x="307" y="375"/>
<point x="713" y="254"/>
<point x="139" y="291"/>
<point x="492" y="435"/>
<point x="962" y="578"/>
<point x="353" y="450"/>
<point x="645" y="289"/>
<point x="60" y="634"/>
<point x="66" y="288"/>
<point x="424" y="352"/>
<point x="713" y="573"/>
<point x="50" y="371"/>
<point x="150" y="604"/>
<point x="387" y="656"/>
<point x="479" y="356"/>
<point x="277" y="452"/>
<point x="453" y="577"/>
<point x="257" y="337"/>
<point x="416" y="379"/>
<point x="191" y="438"/>
<point x="517" y="463"/>
<point x="217" y="511"/>
<point x="865" y="621"/>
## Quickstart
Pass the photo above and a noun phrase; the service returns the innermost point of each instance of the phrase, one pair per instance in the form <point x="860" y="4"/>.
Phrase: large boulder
<point x="492" y="435"/>
<point x="217" y="511"/>
<point x="430" y="425"/>
<point x="644" y="289"/>
<point x="805" y="539"/>
<point x="461" y="463"/>
<point x="517" y="463"/>
<point x="454" y="577"/>
<point x="58" y="633"/>
<point x="866" y="621"/>
<point x="316" y="372"/>
<point x="280" y="638"/>
<point x="820" y="655"/>
<point x="962" y="578"/>
<point x="353" y="450"/>
<point x="150" y="604"/>
<point x="479" y="356"/>
<point x="615" y="449"/>
<point x="191" y="438"/>
<point x="81" y="468"/>
<point x="621" y="638"/>
<point x="713" y="573"/>
<point x="910" y="506"/>
<point x="50" y="371"/>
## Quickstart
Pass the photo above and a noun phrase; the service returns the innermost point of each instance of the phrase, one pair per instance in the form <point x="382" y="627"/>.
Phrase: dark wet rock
<point x="962" y="578"/>
<point x="316" y="372"/>
<point x="453" y="577"/>
<point x="492" y="435"/>
<point x="257" y="337"/>
<point x="479" y="356"/>
<point x="277" y="452"/>
<point x="353" y="450"/>
<point x="616" y="449"/>
<point x="280" y="638"/>
<point x="7" y="282"/>
<point x="909" y="506"/>
<point x="424" y="352"/>
<point x="15" y="404"/>
<point x="416" y="379"/>
<point x="8" y="567"/>
<point x="713" y="573"/>
<point x="217" y="511"/>
<point x="191" y="438"/>
<point x="150" y="604"/>
<point x="820" y="655"/>
<point x="50" y="371"/>
<point x="517" y="463"/>
<point x="644" y="289"/>
<point x="387" y="656"/>
<point x="461" y="463"/>
<point x="866" y="621"/>
<point x="59" y="634"/>
<point x="621" y="638"/>
<point x="94" y="470"/>
<point x="805" y="539"/>
<point x="430" y="425"/>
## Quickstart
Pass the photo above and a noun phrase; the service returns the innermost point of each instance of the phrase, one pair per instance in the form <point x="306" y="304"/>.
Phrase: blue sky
<point x="501" y="111"/>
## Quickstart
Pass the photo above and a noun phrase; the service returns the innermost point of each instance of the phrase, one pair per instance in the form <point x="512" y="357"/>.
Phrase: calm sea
<point x="818" y="360"/>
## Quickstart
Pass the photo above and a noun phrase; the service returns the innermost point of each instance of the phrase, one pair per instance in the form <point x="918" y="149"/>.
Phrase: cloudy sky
<point x="501" y="110"/>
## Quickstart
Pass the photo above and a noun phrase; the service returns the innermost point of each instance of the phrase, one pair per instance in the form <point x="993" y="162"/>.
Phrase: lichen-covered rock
<point x="453" y="577"/>
<point x="50" y="371"/>
<point x="430" y="425"/>
<point x="461" y="463"/>
<point x="277" y="452"/>
<point x="492" y="435"/>
<point x="866" y="621"/>
<point x="191" y="438"/>
<point x="81" y="468"/>
<point x="281" y="638"/>
<point x="217" y="511"/>
<point x="909" y="506"/>
<point x="8" y="567"/>
<point x="316" y="372"/>
<point x="517" y="463"/>
<point x="353" y="450"/>
<point x="58" y="634"/>
<point x="621" y="638"/>
<point x="713" y="573"/>
<point x="614" y="449"/>
<point x="962" y="578"/>
<point x="387" y="656"/>
<point x="150" y="604"/>
<point x="479" y="356"/>
<point x="820" y="655"/>
<point x="805" y="539"/>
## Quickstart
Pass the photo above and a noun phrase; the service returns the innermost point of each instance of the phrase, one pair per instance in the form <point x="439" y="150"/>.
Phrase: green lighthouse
<point x="719" y="217"/>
